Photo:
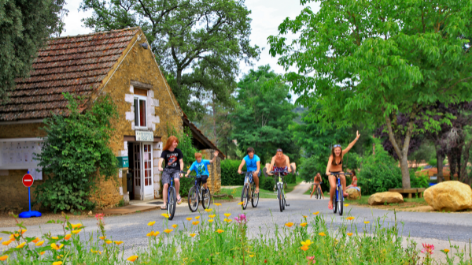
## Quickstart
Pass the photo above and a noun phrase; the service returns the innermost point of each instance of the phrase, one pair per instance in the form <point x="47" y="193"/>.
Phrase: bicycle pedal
<point x="287" y="204"/>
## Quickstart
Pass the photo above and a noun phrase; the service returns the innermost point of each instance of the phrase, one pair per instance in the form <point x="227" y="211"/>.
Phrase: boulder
<point x="449" y="196"/>
<point x="354" y="194"/>
<point x="385" y="197"/>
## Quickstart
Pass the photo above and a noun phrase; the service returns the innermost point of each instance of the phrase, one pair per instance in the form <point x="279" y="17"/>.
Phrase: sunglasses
<point x="279" y="150"/>
<point x="336" y="145"/>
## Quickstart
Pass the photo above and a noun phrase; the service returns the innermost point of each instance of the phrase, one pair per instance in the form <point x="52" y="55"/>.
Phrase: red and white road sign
<point x="28" y="180"/>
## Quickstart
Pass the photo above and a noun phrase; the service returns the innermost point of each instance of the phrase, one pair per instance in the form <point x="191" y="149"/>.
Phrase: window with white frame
<point x="139" y="111"/>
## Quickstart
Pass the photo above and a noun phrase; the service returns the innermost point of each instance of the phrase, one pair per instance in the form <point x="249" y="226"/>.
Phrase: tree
<point x="198" y="43"/>
<point x="25" y="27"/>
<point x="368" y="61"/>
<point x="75" y="153"/>
<point x="264" y="114"/>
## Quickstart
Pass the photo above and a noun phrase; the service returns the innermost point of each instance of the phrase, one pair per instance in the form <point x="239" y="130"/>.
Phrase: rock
<point x="385" y="197"/>
<point x="449" y="196"/>
<point x="90" y="213"/>
<point x="354" y="194"/>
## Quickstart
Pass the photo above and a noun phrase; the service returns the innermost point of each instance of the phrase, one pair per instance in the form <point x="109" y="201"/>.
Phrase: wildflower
<point x="55" y="237"/>
<point x="75" y="226"/>
<point x="56" y="247"/>
<point x="322" y="234"/>
<point x="196" y="222"/>
<point x="156" y="233"/>
<point x="210" y="220"/>
<point x="346" y="205"/>
<point x="40" y="243"/>
<point x="316" y="213"/>
<point x="102" y="237"/>
<point x="349" y="234"/>
<point x="42" y="253"/>
<point x="118" y="242"/>
<point x="174" y="226"/>
<point x="150" y="233"/>
<point x="60" y="257"/>
<point x="57" y="263"/>
<point x="211" y="216"/>
<point x="15" y="235"/>
<point x="217" y="204"/>
<point x="197" y="217"/>
<point x="304" y="216"/>
<point x="165" y="215"/>
<point x="289" y="224"/>
<point x="22" y="231"/>
<point x="307" y="242"/>
<point x="36" y="240"/>
<point x="366" y="222"/>
<point x="189" y="218"/>
<point x="311" y="258"/>
<point x="99" y="216"/>
<point x="151" y="223"/>
<point x="227" y="220"/>
<point x="21" y="245"/>
<point x="168" y="230"/>
<point x="1" y="238"/>
<point x="303" y="224"/>
<point x="240" y="203"/>
<point x="67" y="237"/>
<point x="304" y="247"/>
<point x="350" y="218"/>
<point x="446" y="250"/>
<point x="6" y="243"/>
<point x="75" y="232"/>
<point x="219" y="231"/>
<point x="428" y="248"/>
<point x="251" y="256"/>
<point x="208" y="210"/>
<point x="108" y="242"/>
<point x="227" y="214"/>
<point x="241" y="218"/>
<point x="132" y="258"/>
<point x="192" y="234"/>
<point x="2" y="258"/>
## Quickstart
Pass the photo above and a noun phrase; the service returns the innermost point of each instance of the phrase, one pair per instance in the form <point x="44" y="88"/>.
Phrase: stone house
<point x="118" y="63"/>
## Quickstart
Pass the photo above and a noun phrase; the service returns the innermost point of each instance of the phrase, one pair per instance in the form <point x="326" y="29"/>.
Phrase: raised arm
<point x="214" y="158"/>
<point x="351" y="144"/>
<point x="329" y="164"/>
<point x="241" y="166"/>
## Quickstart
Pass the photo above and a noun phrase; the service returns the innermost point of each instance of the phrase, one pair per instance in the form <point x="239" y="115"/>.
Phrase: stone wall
<point x="214" y="180"/>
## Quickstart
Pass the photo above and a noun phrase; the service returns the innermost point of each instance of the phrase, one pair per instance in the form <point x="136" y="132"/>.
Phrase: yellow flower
<point x="289" y="224"/>
<point x="1" y="238"/>
<point x="40" y="243"/>
<point x="156" y="233"/>
<point x="22" y="231"/>
<point x="446" y="250"/>
<point x="36" y="240"/>
<point x="55" y="237"/>
<point x="210" y="220"/>
<point x="189" y="218"/>
<point x="316" y="213"/>
<point x="118" y="242"/>
<point x="102" y="237"/>
<point x="75" y="232"/>
<point x="227" y="214"/>
<point x="56" y="247"/>
<point x="349" y="234"/>
<point x="150" y="233"/>
<point x="108" y="242"/>
<point x="208" y="210"/>
<point x="304" y="247"/>
<point x="192" y="234"/>
<point x="350" y="218"/>
<point x="21" y="245"/>
<point x="219" y="231"/>
<point x="196" y="222"/>
<point x="165" y="215"/>
<point x="6" y="243"/>
<point x="132" y="258"/>
<point x="346" y="205"/>
<point x="168" y="230"/>
<point x="366" y="222"/>
<point x="2" y="258"/>
<point x="322" y="234"/>
<point x="251" y="256"/>
<point x="303" y="224"/>
<point x="60" y="257"/>
<point x="304" y="216"/>
<point x="217" y="204"/>
<point x="75" y="226"/>
<point x="67" y="237"/>
<point x="211" y="216"/>
<point x="197" y="217"/>
<point x="307" y="242"/>
<point x="57" y="263"/>
<point x="151" y="223"/>
<point x="174" y="226"/>
<point x="42" y="253"/>
<point x="240" y="203"/>
<point x="227" y="220"/>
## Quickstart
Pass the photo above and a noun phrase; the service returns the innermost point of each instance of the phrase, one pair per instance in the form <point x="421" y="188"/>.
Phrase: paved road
<point x="432" y="226"/>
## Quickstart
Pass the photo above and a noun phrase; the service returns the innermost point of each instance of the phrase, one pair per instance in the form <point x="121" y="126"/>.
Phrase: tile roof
<point x="76" y="64"/>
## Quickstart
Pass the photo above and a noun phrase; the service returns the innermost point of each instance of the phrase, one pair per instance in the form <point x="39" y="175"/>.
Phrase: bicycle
<point x="318" y="194"/>
<point x="171" y="198"/>
<point x="339" y="197"/>
<point x="196" y="194"/>
<point x="249" y="191"/>
<point x="280" y="190"/>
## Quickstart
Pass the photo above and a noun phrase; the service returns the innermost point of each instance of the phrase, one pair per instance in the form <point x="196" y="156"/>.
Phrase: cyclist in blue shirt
<point x="201" y="168"/>
<point x="253" y="164"/>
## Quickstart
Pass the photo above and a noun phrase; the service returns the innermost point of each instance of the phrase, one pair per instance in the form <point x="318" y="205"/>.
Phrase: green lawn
<point x="364" y="201"/>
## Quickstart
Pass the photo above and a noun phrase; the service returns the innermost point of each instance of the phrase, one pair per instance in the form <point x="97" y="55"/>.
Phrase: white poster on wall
<point x="19" y="153"/>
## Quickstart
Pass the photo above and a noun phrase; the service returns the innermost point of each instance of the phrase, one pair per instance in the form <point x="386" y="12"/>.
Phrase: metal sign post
<point x="28" y="182"/>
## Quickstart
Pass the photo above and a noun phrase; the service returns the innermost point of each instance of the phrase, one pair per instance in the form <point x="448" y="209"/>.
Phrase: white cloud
<point x="74" y="25"/>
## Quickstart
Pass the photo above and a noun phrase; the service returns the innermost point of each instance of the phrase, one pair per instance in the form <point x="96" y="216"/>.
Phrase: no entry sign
<point x="28" y="180"/>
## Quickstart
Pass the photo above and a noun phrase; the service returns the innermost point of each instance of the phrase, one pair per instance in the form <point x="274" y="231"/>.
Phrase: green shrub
<point x="291" y="179"/>
<point x="312" y="165"/>
<point x="185" y="185"/>
<point x="267" y="183"/>
<point x="229" y="173"/>
<point x="379" y="172"/>
<point x="433" y="162"/>
<point x="419" y="182"/>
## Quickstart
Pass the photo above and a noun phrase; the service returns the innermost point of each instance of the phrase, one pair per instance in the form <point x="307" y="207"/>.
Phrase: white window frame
<point x="137" y="112"/>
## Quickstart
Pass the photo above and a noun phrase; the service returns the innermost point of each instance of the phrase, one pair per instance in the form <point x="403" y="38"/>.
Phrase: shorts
<point x="281" y="169"/>
<point x="202" y="179"/>
<point x="169" y="174"/>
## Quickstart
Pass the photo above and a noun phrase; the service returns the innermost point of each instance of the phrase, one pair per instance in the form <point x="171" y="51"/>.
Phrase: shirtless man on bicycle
<point x="280" y="163"/>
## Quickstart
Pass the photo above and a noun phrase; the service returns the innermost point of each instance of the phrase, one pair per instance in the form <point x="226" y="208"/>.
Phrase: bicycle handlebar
<point x="274" y="172"/>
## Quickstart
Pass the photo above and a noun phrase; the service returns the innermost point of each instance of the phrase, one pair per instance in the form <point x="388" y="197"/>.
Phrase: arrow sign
<point x="28" y="180"/>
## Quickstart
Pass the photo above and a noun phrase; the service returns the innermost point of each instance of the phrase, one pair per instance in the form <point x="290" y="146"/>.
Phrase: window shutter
<point x="142" y="112"/>
<point x="136" y="112"/>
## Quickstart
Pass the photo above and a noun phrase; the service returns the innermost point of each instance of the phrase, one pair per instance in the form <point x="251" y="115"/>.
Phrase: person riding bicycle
<point x="201" y="168"/>
<point x="280" y="163"/>
<point x="335" y="166"/>
<point x="317" y="182"/>
<point x="253" y="164"/>
<point x="354" y="180"/>
<point x="174" y="161"/>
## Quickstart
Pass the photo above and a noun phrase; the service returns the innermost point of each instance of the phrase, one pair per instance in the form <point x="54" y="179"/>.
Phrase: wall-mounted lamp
<point x="144" y="45"/>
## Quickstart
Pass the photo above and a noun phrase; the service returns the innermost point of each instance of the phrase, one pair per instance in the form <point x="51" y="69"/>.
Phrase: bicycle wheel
<point x="193" y="199"/>
<point x="172" y="200"/>
<point x="334" y="201"/>
<point x="206" y="198"/>
<point x="318" y="192"/>
<point x="244" y="196"/>
<point x="340" y="201"/>
<point x="255" y="197"/>
<point x="279" y="196"/>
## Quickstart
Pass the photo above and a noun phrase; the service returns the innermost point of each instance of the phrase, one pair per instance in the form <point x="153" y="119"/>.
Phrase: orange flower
<point x="174" y="226"/>
<point x="108" y="242"/>
<point x="55" y="237"/>
<point x="322" y="234"/>
<point x="102" y="238"/>
<point x="289" y="224"/>
<point x="150" y="233"/>
<point x="42" y="253"/>
<point x="208" y="210"/>
<point x="316" y="213"/>
<point x="56" y="247"/>
<point x="6" y="243"/>
<point x="132" y="258"/>
<point x="22" y="231"/>
<point x="227" y="215"/>
<point x="36" y="240"/>
<point x="217" y="204"/>
<point x="349" y="234"/>
<point x="211" y="215"/>
<point x="304" y="247"/>
<point x="67" y="237"/>
<point x="350" y="218"/>
<point x="189" y="218"/>
<point x="21" y="245"/>
<point x="118" y="242"/>
<point x="151" y="223"/>
<point x="303" y="224"/>
<point x="197" y="217"/>
<point x="40" y="243"/>
<point x="168" y="231"/>
<point x="196" y="222"/>
<point x="219" y="231"/>
<point x="156" y="233"/>
<point x="75" y="232"/>
<point x="192" y="234"/>
<point x="2" y="258"/>
<point x="75" y="226"/>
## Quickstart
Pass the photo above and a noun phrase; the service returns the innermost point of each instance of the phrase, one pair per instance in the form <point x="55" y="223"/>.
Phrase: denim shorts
<point x="169" y="174"/>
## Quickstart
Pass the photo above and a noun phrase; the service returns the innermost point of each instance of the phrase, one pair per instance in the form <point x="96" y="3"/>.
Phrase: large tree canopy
<point x="198" y="43"/>
<point x="367" y="61"/>
<point x="24" y="27"/>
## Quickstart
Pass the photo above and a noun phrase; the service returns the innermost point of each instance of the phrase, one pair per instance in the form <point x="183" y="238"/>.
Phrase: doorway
<point x="141" y="169"/>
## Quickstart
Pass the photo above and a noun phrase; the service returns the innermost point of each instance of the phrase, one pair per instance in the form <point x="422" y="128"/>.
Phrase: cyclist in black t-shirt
<point x="174" y="163"/>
